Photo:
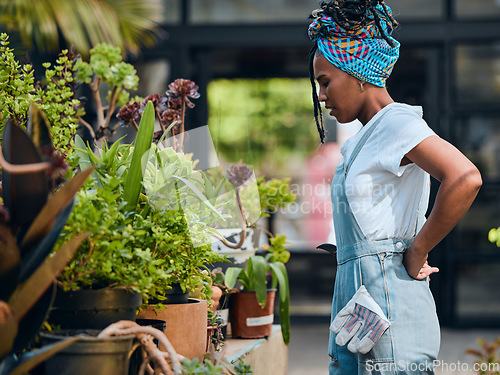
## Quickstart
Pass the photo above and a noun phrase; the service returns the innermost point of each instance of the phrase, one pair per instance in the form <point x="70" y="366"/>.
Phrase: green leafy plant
<point x="106" y="68"/>
<point x="242" y="368"/>
<point x="56" y="94"/>
<point x="58" y="99"/>
<point x="487" y="356"/>
<point x="253" y="278"/>
<point x="17" y="90"/>
<point x="494" y="236"/>
<point x="212" y="367"/>
<point x="26" y="270"/>
<point x="274" y="193"/>
<point x="260" y="107"/>
<point x="45" y="24"/>
<point x="277" y="249"/>
<point x="136" y="239"/>
<point x="194" y="367"/>
<point x="215" y="331"/>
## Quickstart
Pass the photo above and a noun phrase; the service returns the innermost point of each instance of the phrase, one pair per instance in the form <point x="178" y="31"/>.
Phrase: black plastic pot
<point x="174" y="296"/>
<point x="94" y="309"/>
<point x="89" y="355"/>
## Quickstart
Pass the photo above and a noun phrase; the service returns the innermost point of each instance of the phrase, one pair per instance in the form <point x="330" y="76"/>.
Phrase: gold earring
<point x="361" y="85"/>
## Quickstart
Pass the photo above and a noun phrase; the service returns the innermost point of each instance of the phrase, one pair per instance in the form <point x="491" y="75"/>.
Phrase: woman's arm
<point x="460" y="182"/>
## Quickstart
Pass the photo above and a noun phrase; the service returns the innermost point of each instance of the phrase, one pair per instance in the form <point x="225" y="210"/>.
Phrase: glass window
<point x="287" y="11"/>
<point x="477" y="74"/>
<point x="478" y="137"/>
<point x="250" y="11"/>
<point x="154" y="76"/>
<point x="477" y="8"/>
<point x="171" y="12"/>
<point x="471" y="233"/>
<point x="478" y="295"/>
<point x="416" y="9"/>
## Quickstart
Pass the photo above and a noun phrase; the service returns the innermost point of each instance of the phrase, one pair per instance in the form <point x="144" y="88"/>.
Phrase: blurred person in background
<point x="384" y="317"/>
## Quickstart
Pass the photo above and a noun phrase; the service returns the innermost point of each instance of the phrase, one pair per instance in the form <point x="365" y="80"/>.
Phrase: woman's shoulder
<point x="401" y="130"/>
<point x="402" y="119"/>
<point x="402" y="111"/>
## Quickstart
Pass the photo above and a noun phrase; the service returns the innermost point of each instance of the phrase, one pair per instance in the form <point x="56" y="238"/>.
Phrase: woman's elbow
<point x="474" y="180"/>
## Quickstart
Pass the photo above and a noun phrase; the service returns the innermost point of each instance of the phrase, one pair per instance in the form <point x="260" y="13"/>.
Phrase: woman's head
<point x="355" y="37"/>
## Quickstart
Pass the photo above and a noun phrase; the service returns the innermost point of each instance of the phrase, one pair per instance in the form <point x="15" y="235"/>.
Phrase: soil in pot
<point x="94" y="309"/>
<point x="89" y="355"/>
<point x="248" y="319"/>
<point x="186" y="325"/>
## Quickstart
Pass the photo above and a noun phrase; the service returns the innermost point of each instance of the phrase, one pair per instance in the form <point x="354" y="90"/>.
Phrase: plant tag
<point x="260" y="321"/>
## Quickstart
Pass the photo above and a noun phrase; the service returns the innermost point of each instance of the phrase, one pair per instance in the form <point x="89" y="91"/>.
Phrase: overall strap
<point x="361" y="143"/>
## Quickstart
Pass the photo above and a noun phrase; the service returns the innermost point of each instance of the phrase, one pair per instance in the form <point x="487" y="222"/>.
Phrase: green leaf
<point x="27" y="293"/>
<point x="143" y="141"/>
<point x="279" y="270"/>
<point x="199" y="194"/>
<point x="45" y="218"/>
<point x="29" y="360"/>
<point x="232" y="274"/>
<point x="257" y="265"/>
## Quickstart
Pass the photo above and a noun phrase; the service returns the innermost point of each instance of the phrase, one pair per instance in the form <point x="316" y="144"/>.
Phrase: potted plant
<point x="28" y="235"/>
<point x="253" y="308"/>
<point x="249" y="199"/>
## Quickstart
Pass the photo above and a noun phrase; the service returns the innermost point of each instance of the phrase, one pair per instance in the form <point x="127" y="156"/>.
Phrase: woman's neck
<point x="376" y="98"/>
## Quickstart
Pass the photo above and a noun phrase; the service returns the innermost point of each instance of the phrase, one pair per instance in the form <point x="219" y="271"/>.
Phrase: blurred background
<point x="250" y="60"/>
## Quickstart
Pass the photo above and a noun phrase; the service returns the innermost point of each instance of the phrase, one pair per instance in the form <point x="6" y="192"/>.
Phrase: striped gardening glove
<point x="361" y="321"/>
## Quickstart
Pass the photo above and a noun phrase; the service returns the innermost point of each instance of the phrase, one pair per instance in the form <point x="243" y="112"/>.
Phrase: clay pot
<point x="216" y="296"/>
<point x="186" y="326"/>
<point x="248" y="319"/>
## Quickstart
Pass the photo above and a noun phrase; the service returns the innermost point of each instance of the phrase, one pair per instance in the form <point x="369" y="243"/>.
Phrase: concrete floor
<point x="309" y="343"/>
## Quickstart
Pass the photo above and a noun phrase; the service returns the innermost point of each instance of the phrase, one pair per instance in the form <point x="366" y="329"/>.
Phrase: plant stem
<point x="181" y="131"/>
<point x="243" y="223"/>
<point x="94" y="86"/>
<point x="113" y="99"/>
<point x="22" y="168"/>
<point x="88" y="126"/>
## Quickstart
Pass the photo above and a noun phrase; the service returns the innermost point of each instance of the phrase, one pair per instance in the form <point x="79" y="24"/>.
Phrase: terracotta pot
<point x="216" y="296"/>
<point x="186" y="326"/>
<point x="248" y="319"/>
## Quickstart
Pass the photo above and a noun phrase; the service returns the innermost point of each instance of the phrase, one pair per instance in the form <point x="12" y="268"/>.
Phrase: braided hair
<point x="351" y="15"/>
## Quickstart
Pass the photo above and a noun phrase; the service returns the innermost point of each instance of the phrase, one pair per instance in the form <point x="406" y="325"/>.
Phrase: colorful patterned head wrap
<point x="362" y="53"/>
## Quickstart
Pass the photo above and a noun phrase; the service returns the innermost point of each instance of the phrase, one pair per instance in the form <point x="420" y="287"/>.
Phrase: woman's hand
<point x="416" y="264"/>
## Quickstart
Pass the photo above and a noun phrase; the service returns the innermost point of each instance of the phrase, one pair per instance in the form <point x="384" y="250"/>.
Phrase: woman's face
<point x="340" y="91"/>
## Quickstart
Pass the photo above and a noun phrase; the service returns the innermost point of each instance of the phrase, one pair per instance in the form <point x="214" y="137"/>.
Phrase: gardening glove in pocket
<point x="361" y="321"/>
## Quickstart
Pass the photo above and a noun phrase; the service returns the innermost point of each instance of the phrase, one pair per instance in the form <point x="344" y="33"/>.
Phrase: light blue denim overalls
<point x="411" y="344"/>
